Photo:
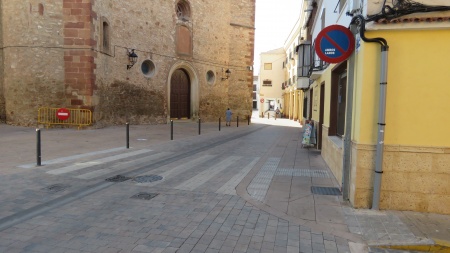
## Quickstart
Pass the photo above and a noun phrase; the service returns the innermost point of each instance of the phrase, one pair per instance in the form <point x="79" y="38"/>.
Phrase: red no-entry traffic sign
<point x="62" y="113"/>
<point x="334" y="44"/>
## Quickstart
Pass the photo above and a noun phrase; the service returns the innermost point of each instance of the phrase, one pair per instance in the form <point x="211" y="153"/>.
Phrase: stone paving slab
<point x="195" y="219"/>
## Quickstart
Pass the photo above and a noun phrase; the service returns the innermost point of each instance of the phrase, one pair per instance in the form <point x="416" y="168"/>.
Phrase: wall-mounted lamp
<point x="132" y="58"/>
<point x="227" y="74"/>
<point x="250" y="68"/>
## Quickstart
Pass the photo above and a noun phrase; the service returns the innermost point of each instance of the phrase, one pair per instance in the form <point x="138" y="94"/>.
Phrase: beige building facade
<point x="194" y="59"/>
<point x="271" y="80"/>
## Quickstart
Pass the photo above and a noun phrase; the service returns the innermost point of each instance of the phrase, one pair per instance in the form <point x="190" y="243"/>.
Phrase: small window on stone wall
<point x="210" y="77"/>
<point x="183" y="10"/>
<point x="105" y="37"/>
<point x="148" y="68"/>
<point x="41" y="9"/>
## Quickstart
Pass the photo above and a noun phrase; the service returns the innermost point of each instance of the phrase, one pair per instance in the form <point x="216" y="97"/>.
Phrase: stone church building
<point x="143" y="62"/>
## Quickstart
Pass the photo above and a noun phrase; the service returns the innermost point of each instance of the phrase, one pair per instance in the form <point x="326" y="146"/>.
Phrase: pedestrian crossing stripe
<point x="117" y="167"/>
<point x="207" y="174"/>
<point x="79" y="166"/>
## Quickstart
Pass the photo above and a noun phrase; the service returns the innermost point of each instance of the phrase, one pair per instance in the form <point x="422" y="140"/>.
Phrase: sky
<point x="274" y="21"/>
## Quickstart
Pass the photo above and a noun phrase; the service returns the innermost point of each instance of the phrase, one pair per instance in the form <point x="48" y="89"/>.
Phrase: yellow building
<point x="383" y="114"/>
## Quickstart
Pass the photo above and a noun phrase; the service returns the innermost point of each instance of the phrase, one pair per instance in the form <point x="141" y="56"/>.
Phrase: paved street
<point x="241" y="189"/>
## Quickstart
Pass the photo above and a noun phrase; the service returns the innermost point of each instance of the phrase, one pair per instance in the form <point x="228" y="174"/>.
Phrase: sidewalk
<point x="290" y="197"/>
<point x="281" y="187"/>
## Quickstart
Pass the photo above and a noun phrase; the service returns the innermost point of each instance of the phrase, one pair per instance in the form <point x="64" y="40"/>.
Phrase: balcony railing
<point x="318" y="64"/>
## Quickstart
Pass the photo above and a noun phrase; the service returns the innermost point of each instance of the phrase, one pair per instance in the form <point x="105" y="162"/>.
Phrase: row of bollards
<point x="38" y="136"/>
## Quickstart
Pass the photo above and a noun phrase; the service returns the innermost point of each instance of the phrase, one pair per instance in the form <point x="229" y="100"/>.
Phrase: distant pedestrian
<point x="228" y="114"/>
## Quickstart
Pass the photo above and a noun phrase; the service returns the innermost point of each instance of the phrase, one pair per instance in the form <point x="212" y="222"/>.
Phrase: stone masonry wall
<point x="241" y="56"/>
<point x="414" y="178"/>
<point x="2" y="93"/>
<point x="53" y="53"/>
<point x="149" y="28"/>
<point x="33" y="73"/>
<point x="128" y="95"/>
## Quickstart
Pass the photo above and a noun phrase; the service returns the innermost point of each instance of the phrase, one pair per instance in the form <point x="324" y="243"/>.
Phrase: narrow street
<point x="241" y="189"/>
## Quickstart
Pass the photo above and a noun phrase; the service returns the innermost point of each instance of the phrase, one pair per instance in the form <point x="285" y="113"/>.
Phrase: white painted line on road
<point x="123" y="166"/>
<point x="79" y="166"/>
<point x="207" y="174"/>
<point x="230" y="186"/>
<point x="180" y="169"/>
<point x="68" y="158"/>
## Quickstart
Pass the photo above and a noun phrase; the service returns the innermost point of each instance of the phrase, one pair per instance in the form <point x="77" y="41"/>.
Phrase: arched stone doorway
<point x="180" y="95"/>
<point x="189" y="72"/>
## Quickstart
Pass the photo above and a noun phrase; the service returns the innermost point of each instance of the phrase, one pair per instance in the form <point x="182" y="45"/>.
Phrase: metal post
<point x="248" y="119"/>
<point x="237" y="121"/>
<point x="267" y="115"/>
<point x="171" y="130"/>
<point x="381" y="128"/>
<point x="199" y="126"/>
<point x="38" y="147"/>
<point x="219" y="124"/>
<point x="128" y="135"/>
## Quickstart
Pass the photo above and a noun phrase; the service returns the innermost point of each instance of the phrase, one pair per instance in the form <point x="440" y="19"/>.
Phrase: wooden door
<point x="180" y="95"/>
<point x="321" y="115"/>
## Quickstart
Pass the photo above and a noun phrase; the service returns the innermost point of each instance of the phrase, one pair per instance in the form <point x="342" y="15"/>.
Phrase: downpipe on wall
<point x="381" y="110"/>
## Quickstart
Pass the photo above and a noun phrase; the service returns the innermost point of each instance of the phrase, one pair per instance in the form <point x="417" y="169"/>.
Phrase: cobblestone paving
<point x="380" y="228"/>
<point x="174" y="221"/>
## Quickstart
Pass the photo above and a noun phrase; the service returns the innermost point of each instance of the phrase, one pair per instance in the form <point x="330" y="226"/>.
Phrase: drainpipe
<point x="381" y="110"/>
<point x="348" y="124"/>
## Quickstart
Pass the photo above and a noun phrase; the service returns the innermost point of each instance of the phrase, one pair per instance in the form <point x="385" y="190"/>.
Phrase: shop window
<point x="338" y="100"/>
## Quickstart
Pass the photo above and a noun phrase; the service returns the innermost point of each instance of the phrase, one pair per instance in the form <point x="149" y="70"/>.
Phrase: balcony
<point x="317" y="68"/>
<point x="310" y="66"/>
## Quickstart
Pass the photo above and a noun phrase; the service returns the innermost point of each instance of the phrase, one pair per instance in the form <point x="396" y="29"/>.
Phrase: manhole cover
<point x="118" y="178"/>
<point x="56" y="188"/>
<point x="147" y="178"/>
<point x="144" y="196"/>
<point x="325" y="190"/>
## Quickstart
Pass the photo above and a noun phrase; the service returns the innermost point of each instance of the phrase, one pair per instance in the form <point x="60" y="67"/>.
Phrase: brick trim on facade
<point x="79" y="66"/>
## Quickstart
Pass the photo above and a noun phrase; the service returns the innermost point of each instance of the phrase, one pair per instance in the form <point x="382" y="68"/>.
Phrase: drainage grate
<point x="147" y="178"/>
<point x="325" y="190"/>
<point x="144" y="196"/>
<point x="56" y="188"/>
<point x="118" y="178"/>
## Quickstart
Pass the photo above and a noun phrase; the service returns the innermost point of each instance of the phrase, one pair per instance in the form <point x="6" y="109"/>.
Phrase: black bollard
<point x="199" y="126"/>
<point x="248" y="119"/>
<point x="38" y="147"/>
<point x="219" y="124"/>
<point x="237" y="121"/>
<point x="128" y="135"/>
<point x="171" y="130"/>
<point x="267" y="115"/>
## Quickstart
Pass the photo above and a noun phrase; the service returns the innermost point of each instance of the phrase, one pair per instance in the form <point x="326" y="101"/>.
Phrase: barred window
<point x="267" y="83"/>
<point x="183" y="10"/>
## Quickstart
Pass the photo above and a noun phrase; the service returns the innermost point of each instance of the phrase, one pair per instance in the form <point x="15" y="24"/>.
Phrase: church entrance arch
<point x="180" y="95"/>
<point x="182" y="91"/>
